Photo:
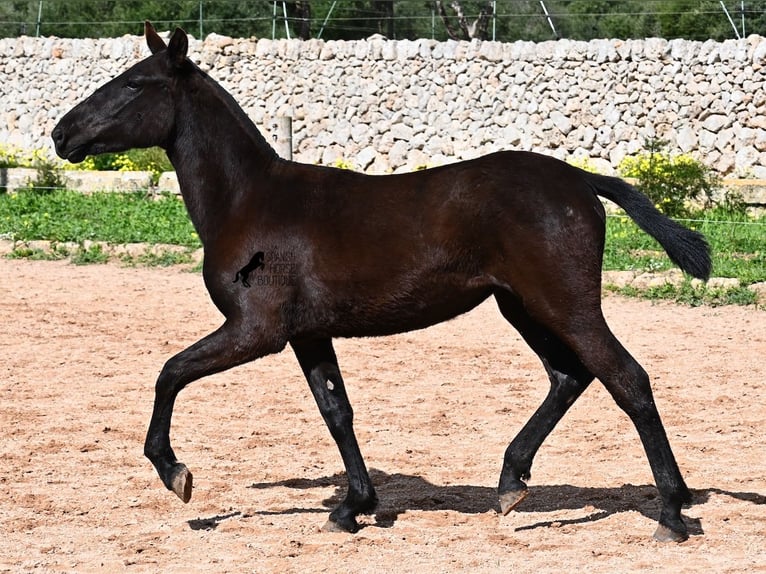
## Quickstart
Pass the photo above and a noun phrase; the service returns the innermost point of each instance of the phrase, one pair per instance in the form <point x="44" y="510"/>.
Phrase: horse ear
<point x="153" y="40"/>
<point x="178" y="47"/>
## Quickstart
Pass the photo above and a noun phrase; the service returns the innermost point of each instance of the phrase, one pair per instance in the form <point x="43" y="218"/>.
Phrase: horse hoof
<point x="332" y="526"/>
<point x="665" y="534"/>
<point x="509" y="500"/>
<point x="181" y="483"/>
<point x="341" y="522"/>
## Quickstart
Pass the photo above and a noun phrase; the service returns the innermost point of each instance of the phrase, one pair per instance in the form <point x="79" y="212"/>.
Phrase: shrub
<point x="583" y="163"/>
<point x="671" y="182"/>
<point x="48" y="174"/>
<point x="341" y="163"/>
<point x="90" y="255"/>
<point x="13" y="157"/>
<point x="150" y="159"/>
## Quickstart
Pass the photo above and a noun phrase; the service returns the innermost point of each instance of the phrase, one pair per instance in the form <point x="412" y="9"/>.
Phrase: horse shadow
<point x="399" y="493"/>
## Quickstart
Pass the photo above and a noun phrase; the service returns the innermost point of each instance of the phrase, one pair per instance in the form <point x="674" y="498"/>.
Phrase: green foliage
<point x="151" y="159"/>
<point x="90" y="255"/>
<point x="112" y="217"/>
<point x="692" y="294"/>
<point x="47" y="172"/>
<point x="737" y="243"/>
<point x="12" y="156"/>
<point x="615" y="20"/>
<point x="583" y="163"/>
<point x="398" y="19"/>
<point x="165" y="258"/>
<point x="37" y="254"/>
<point x="341" y="163"/>
<point x="671" y="182"/>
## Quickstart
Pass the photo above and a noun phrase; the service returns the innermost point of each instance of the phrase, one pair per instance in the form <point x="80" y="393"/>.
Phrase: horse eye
<point x="132" y="86"/>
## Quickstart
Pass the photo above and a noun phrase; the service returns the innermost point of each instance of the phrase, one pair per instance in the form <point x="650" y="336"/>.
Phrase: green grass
<point x="163" y="259"/>
<point x="738" y="242"/>
<point x="89" y="256"/>
<point x="37" y="254"/>
<point x="111" y="217"/>
<point x="738" y="245"/>
<point x="689" y="294"/>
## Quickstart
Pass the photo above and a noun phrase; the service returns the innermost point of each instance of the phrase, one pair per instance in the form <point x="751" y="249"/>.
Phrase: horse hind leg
<point x="568" y="379"/>
<point x="581" y="328"/>
<point x="629" y="386"/>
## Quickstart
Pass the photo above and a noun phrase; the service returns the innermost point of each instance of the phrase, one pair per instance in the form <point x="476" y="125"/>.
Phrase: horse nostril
<point x="57" y="135"/>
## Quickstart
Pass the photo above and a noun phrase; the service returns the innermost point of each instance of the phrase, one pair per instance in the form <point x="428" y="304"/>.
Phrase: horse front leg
<point x="320" y="366"/>
<point x="227" y="347"/>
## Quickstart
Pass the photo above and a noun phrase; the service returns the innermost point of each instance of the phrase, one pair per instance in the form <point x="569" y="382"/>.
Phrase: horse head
<point x="134" y="110"/>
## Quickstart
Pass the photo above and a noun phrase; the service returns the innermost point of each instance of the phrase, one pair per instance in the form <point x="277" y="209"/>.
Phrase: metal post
<point x="326" y="18"/>
<point x="39" y="17"/>
<point x="733" y="25"/>
<point x="287" y="25"/>
<point x="282" y="134"/>
<point x="494" y="19"/>
<point x="274" y="21"/>
<point x="550" y="21"/>
<point x="742" y="9"/>
<point x="200" y="20"/>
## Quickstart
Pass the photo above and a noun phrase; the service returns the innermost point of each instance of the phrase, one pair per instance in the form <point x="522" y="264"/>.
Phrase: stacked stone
<point x="384" y="106"/>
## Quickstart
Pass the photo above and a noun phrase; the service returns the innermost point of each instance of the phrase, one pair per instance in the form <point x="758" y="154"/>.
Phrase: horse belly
<point x="372" y="311"/>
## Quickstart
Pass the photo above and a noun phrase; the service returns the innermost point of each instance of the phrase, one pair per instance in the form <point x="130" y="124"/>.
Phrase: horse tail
<point x="686" y="248"/>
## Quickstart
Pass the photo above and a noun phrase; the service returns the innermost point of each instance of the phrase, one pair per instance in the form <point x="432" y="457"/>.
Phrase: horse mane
<point x="232" y="106"/>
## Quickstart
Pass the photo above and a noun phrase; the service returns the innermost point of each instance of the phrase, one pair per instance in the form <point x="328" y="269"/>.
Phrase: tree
<point x="505" y="20"/>
<point x="466" y="29"/>
<point x="588" y="19"/>
<point x="300" y="10"/>
<point x="17" y="18"/>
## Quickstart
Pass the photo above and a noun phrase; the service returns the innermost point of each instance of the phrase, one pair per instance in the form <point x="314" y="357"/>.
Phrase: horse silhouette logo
<point x="257" y="262"/>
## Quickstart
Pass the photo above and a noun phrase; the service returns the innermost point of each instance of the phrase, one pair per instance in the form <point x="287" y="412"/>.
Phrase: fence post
<point x="200" y="20"/>
<point x="39" y="17"/>
<point x="282" y="134"/>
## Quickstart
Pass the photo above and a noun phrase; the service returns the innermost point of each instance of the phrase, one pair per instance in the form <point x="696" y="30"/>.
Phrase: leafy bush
<point x="90" y="255"/>
<point x="671" y="182"/>
<point x="112" y="217"/>
<point x="151" y="159"/>
<point x="11" y="156"/>
<point x="341" y="163"/>
<point x="48" y="176"/>
<point x="583" y="163"/>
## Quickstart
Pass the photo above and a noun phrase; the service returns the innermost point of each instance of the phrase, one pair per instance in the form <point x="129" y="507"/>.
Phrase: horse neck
<point x="220" y="157"/>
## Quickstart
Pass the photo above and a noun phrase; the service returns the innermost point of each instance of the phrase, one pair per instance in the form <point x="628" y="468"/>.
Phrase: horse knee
<point x="169" y="382"/>
<point x="339" y="417"/>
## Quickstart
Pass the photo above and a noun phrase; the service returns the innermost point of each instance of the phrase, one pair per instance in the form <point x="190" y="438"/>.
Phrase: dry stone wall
<point x="385" y="106"/>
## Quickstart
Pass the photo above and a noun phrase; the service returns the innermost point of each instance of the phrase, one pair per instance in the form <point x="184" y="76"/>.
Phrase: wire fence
<point x="502" y="20"/>
<point x="758" y="224"/>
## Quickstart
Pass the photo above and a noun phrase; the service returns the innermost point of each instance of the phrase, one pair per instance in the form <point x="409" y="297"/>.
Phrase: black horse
<point x="375" y="255"/>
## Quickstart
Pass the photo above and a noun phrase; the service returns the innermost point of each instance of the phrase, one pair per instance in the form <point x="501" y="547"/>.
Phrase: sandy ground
<point x="80" y="348"/>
